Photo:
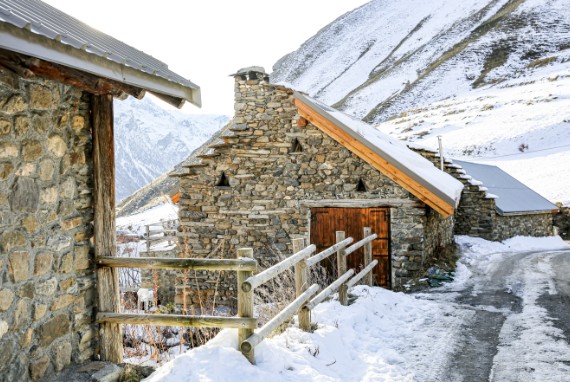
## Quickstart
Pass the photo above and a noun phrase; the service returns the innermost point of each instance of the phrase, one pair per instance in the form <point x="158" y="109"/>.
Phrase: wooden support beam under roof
<point x="30" y="67"/>
<point x="379" y="163"/>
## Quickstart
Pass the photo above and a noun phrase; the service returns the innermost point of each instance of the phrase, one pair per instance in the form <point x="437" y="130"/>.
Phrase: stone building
<point x="496" y="206"/>
<point x="292" y="167"/>
<point x="58" y="78"/>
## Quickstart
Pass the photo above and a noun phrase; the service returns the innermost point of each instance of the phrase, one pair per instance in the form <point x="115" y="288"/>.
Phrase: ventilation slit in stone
<point x="223" y="182"/>
<point x="361" y="186"/>
<point x="296" y="146"/>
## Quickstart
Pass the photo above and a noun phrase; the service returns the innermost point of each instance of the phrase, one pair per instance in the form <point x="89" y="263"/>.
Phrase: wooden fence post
<point x="147" y="239"/>
<point x="368" y="255"/>
<point x="245" y="303"/>
<point x="104" y="223"/>
<point x="341" y="269"/>
<point x="301" y="284"/>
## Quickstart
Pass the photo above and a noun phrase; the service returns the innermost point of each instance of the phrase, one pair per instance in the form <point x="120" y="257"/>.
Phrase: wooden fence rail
<point x="184" y="264"/>
<point x="305" y="301"/>
<point x="178" y="320"/>
<point x="270" y="273"/>
<point x="245" y="266"/>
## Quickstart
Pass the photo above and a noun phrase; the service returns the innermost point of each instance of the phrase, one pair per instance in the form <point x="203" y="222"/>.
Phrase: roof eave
<point x="522" y="213"/>
<point x="440" y="202"/>
<point x="31" y="44"/>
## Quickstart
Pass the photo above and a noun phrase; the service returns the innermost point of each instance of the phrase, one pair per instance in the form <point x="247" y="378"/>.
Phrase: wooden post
<point x="245" y="303"/>
<point x="301" y="285"/>
<point x="104" y="223"/>
<point x="341" y="269"/>
<point x="368" y="255"/>
<point x="147" y="240"/>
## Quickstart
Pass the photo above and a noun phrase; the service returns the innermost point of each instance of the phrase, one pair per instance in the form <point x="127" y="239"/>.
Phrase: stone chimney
<point x="248" y="90"/>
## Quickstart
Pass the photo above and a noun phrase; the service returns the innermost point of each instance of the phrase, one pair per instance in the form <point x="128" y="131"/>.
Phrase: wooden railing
<point x="306" y="296"/>
<point x="165" y="230"/>
<point x="243" y="265"/>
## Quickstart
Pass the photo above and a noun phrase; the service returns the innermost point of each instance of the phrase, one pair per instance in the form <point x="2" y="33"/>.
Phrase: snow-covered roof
<point x="34" y="28"/>
<point x="412" y="171"/>
<point x="512" y="196"/>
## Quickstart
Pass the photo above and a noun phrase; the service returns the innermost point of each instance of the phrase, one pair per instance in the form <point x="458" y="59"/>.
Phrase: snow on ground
<point x="136" y="223"/>
<point x="383" y="336"/>
<point x="521" y="125"/>
<point x="484" y="256"/>
<point x="375" y="339"/>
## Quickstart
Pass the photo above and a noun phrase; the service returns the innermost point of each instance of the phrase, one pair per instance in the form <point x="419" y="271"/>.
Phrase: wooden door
<point x="325" y="221"/>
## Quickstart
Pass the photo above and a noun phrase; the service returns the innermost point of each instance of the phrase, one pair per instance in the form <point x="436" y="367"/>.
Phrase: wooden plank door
<point x="325" y="221"/>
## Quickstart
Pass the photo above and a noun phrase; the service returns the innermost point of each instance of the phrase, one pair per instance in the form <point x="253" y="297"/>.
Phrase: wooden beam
<point x="262" y="277"/>
<point x="359" y="244"/>
<point x="327" y="252"/>
<point x="329" y="290"/>
<point x="375" y="160"/>
<point x="279" y="319"/>
<point x="352" y="282"/>
<point x="104" y="223"/>
<point x="30" y="67"/>
<point x="177" y="320"/>
<point x="192" y="264"/>
<point x="245" y="303"/>
<point x="362" y="203"/>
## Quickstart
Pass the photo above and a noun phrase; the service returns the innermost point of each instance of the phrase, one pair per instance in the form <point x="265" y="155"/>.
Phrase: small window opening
<point x="361" y="187"/>
<point x="243" y="77"/>
<point x="224" y="181"/>
<point x="253" y="76"/>
<point x="296" y="146"/>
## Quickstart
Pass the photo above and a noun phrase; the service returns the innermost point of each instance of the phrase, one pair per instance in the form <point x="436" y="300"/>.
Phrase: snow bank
<point x="484" y="255"/>
<point x="375" y="339"/>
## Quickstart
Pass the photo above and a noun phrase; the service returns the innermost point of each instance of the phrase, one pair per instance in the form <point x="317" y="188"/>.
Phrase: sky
<point x="206" y="41"/>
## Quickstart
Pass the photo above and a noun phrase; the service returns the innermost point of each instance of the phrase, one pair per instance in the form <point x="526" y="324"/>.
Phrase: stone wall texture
<point x="263" y="205"/>
<point x="477" y="214"/>
<point x="47" y="281"/>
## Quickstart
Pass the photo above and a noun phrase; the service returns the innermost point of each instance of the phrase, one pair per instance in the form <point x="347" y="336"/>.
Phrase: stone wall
<point x="47" y="283"/>
<point x="523" y="225"/>
<point x="477" y="214"/>
<point x="264" y="202"/>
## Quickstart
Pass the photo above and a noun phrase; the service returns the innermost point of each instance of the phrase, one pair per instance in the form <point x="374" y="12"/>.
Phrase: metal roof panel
<point x="37" y="17"/>
<point x="514" y="197"/>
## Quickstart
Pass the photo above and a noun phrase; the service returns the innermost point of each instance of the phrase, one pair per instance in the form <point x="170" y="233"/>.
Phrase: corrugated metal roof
<point x="421" y="170"/>
<point x="513" y="196"/>
<point x="39" y="18"/>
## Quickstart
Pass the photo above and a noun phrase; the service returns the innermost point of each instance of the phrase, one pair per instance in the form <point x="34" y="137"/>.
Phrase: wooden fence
<point x="165" y="230"/>
<point x="306" y="296"/>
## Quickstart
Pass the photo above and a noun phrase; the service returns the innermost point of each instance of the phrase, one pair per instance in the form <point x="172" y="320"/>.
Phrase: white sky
<point x="207" y="40"/>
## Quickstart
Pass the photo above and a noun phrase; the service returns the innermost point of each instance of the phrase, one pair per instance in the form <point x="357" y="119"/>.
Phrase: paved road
<point x="520" y="327"/>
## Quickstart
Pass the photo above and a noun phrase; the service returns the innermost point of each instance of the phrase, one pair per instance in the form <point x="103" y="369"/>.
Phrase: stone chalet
<point x="58" y="78"/>
<point x="293" y="167"/>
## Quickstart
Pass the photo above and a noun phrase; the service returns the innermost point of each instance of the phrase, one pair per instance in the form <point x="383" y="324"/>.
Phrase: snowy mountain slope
<point x="150" y="141"/>
<point x="161" y="188"/>
<point x="490" y="76"/>
<point x="387" y="56"/>
<point x="521" y="125"/>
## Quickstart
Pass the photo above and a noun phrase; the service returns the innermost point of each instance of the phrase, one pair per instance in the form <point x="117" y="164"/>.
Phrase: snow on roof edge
<point x="395" y="151"/>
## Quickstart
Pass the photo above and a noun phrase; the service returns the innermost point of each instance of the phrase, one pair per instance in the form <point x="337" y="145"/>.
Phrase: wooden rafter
<point x="30" y="67"/>
<point x="375" y="160"/>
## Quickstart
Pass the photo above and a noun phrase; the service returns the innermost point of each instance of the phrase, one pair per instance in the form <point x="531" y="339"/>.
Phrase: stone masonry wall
<point x="47" y="282"/>
<point x="263" y="205"/>
<point x="477" y="214"/>
<point x="523" y="225"/>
